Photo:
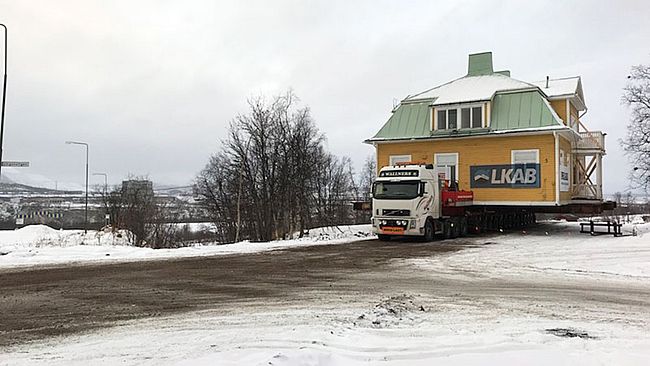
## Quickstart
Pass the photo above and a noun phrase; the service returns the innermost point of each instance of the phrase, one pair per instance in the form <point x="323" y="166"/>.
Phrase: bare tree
<point x="273" y="176"/>
<point x="637" y="142"/>
<point x="148" y="221"/>
<point x="368" y="176"/>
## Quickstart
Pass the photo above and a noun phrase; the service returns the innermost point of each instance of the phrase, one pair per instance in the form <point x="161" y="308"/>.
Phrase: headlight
<point x="383" y="222"/>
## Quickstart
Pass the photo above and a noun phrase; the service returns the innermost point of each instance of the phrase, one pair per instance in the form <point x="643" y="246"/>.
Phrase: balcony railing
<point x="591" y="140"/>
<point x="588" y="191"/>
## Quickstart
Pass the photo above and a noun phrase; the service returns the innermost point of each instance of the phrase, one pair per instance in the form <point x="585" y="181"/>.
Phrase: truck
<point x="415" y="200"/>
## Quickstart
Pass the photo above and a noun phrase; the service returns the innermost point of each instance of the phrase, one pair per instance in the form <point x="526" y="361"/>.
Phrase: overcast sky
<point x="152" y="85"/>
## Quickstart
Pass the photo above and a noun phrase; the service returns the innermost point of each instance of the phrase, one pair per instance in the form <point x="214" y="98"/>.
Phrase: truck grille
<point x="395" y="212"/>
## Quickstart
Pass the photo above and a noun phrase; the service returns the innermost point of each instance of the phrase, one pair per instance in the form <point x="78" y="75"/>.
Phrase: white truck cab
<point x="406" y="201"/>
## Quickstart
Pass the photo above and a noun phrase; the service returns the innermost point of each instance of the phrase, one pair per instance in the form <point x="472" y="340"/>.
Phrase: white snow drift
<point x="42" y="245"/>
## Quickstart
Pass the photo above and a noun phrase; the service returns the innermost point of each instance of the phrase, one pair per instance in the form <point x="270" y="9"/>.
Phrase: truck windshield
<point x="395" y="190"/>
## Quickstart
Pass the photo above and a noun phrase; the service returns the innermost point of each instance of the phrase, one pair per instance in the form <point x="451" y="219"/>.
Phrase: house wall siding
<point x="559" y="106"/>
<point x="484" y="151"/>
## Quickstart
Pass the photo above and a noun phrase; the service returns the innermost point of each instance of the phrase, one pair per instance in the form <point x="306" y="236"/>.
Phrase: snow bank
<point x="42" y="245"/>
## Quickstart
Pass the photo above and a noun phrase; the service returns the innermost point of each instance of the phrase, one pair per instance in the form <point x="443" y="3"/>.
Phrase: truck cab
<point x="411" y="199"/>
<point x="404" y="197"/>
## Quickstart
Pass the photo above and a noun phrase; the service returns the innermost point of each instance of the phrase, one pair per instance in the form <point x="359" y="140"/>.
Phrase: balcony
<point x="588" y="166"/>
<point x="587" y="191"/>
<point x="591" y="142"/>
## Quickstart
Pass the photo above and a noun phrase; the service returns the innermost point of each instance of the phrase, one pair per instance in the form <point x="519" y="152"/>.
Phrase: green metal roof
<point x="522" y="110"/>
<point x="407" y="121"/>
<point x="510" y="111"/>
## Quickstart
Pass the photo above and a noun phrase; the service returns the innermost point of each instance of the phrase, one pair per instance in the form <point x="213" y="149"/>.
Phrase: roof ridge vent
<point x="480" y="64"/>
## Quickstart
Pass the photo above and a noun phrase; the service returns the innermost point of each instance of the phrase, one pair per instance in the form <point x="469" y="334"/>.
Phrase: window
<point x="454" y="118"/>
<point x="394" y="159"/>
<point x="525" y="156"/>
<point x="396" y="190"/>
<point x="442" y="120"/>
<point x="573" y="123"/>
<point x="477" y="117"/>
<point x="447" y="163"/>
<point x="465" y="120"/>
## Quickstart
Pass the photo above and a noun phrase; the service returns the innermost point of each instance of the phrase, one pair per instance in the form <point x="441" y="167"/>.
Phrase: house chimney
<point x="547" y="81"/>
<point x="480" y="64"/>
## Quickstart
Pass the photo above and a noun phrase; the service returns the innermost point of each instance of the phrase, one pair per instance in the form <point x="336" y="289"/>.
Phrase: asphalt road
<point x="40" y="303"/>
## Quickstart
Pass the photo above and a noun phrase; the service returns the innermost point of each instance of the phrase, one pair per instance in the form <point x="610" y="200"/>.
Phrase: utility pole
<point x="4" y="99"/>
<point x="86" y="211"/>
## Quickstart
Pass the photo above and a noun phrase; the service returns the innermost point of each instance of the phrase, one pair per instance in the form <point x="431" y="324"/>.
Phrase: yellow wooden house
<point x="513" y="143"/>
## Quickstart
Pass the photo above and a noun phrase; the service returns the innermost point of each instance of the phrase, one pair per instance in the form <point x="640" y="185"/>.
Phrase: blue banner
<point x="505" y="176"/>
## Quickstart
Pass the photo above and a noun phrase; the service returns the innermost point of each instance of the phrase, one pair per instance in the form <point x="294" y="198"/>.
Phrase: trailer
<point x="414" y="200"/>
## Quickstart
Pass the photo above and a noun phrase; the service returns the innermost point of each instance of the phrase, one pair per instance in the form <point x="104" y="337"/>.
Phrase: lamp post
<point x="4" y="99"/>
<point x="86" y="213"/>
<point x="107" y="217"/>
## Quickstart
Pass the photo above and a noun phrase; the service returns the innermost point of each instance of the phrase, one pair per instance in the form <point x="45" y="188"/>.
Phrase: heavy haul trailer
<point x="413" y="200"/>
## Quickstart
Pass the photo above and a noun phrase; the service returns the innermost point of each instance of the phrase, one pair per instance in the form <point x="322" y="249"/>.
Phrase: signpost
<point x="16" y="164"/>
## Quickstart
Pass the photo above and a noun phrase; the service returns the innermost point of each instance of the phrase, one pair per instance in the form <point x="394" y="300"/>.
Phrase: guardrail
<point x="591" y="140"/>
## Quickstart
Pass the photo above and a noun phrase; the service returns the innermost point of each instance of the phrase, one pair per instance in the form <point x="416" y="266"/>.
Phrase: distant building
<point x="134" y="188"/>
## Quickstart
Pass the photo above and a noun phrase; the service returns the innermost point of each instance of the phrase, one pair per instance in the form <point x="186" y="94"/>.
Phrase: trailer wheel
<point x="383" y="237"/>
<point x="455" y="228"/>
<point x="428" y="231"/>
<point x="463" y="226"/>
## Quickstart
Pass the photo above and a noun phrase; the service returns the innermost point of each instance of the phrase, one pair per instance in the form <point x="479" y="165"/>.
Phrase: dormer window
<point x="459" y="117"/>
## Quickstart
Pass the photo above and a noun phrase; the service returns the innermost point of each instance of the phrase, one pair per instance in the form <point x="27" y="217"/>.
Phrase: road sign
<point x="16" y="164"/>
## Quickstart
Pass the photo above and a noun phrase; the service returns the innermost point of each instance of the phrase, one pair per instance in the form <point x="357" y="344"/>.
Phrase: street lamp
<point x="86" y="145"/>
<point x="4" y="99"/>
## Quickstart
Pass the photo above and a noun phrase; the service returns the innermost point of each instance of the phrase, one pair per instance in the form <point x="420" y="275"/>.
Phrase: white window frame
<point x="400" y="158"/>
<point x="437" y="156"/>
<point x="458" y="108"/>
<point x="512" y="155"/>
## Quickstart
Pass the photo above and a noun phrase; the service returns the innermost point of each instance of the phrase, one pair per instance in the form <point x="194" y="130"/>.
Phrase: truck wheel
<point x="446" y="229"/>
<point x="383" y="237"/>
<point x="428" y="231"/>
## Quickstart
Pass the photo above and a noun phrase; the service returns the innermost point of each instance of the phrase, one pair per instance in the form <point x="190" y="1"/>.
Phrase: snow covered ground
<point x="560" y="250"/>
<point x="42" y="245"/>
<point x="405" y="328"/>
<point x="320" y="336"/>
